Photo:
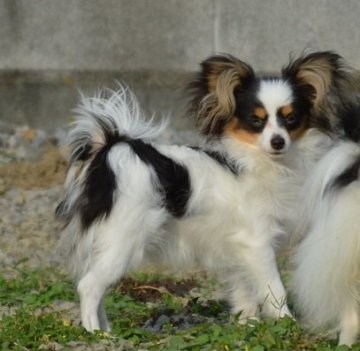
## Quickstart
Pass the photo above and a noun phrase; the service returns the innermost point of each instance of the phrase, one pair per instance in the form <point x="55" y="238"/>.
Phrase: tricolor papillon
<point x="326" y="281"/>
<point x="222" y="206"/>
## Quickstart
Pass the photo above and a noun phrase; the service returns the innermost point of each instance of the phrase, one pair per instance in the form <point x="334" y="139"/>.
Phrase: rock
<point x="53" y="346"/>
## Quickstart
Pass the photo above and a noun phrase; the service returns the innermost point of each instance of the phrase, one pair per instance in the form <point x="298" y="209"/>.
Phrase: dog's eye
<point x="290" y="119"/>
<point x="257" y="122"/>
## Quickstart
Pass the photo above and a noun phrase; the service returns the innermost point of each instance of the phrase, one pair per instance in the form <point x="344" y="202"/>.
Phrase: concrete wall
<point x="45" y="44"/>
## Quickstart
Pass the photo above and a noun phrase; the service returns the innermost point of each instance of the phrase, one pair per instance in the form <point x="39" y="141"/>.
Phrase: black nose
<point x="277" y="142"/>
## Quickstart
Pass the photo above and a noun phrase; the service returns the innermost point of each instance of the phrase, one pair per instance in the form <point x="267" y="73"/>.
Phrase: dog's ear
<point x="316" y="74"/>
<point x="212" y="92"/>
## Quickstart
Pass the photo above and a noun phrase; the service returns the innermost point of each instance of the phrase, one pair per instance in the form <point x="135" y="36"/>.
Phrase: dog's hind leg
<point x="107" y="269"/>
<point x="111" y="260"/>
<point x="119" y="247"/>
<point x="349" y="324"/>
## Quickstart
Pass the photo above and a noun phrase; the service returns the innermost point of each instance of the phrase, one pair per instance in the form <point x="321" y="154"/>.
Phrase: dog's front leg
<point x="263" y="269"/>
<point x="349" y="324"/>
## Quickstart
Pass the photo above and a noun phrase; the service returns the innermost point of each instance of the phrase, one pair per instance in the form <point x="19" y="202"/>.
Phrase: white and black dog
<point x="326" y="281"/>
<point x="129" y="200"/>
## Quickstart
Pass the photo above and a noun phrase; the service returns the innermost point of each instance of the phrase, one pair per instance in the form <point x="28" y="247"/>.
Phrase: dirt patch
<point x="49" y="170"/>
<point x="153" y="290"/>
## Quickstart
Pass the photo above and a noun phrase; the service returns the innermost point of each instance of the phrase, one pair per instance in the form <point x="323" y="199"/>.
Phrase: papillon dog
<point x="130" y="200"/>
<point x="326" y="281"/>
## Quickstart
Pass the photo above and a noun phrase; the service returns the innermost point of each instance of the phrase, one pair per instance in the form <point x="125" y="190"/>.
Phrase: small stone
<point x="64" y="305"/>
<point x="53" y="346"/>
<point x="162" y="320"/>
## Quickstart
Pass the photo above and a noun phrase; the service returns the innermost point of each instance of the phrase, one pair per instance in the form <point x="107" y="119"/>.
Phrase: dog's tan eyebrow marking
<point x="260" y="112"/>
<point x="286" y="111"/>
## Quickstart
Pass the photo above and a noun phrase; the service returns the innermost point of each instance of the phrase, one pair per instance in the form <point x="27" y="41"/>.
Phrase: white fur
<point x="107" y="105"/>
<point x="274" y="94"/>
<point x="230" y="227"/>
<point x="327" y="262"/>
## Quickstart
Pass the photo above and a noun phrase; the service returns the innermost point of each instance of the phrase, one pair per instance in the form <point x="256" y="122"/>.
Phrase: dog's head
<point x="268" y="113"/>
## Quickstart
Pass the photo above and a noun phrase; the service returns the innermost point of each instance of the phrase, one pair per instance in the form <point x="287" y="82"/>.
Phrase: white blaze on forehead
<point x="274" y="94"/>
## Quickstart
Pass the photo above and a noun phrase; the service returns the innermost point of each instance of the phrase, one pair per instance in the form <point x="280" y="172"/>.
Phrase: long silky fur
<point x="327" y="262"/>
<point x="327" y="80"/>
<point x="213" y="101"/>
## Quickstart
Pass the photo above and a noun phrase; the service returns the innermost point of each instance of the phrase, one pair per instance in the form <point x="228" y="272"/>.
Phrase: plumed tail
<point x="327" y="262"/>
<point x="102" y="119"/>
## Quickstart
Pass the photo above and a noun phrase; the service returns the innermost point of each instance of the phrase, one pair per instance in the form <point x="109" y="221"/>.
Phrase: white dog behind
<point x="326" y="281"/>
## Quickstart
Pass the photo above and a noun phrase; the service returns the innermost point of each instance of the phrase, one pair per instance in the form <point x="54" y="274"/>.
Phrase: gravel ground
<point x="32" y="169"/>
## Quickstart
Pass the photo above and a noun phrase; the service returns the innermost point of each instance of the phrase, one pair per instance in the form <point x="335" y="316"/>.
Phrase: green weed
<point x="31" y="318"/>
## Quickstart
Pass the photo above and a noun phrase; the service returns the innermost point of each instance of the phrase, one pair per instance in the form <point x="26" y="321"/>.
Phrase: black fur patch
<point x="349" y="175"/>
<point x="97" y="199"/>
<point x="220" y="158"/>
<point x="349" y="120"/>
<point x="246" y="103"/>
<point x="174" y="179"/>
<point x="82" y="146"/>
<point x="98" y="196"/>
<point x="83" y="153"/>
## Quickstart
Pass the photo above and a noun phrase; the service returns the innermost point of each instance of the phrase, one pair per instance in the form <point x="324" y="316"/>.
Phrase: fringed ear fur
<point x="213" y="101"/>
<point x="318" y="74"/>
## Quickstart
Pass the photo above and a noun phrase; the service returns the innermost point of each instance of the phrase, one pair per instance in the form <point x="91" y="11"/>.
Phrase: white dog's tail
<point x="327" y="262"/>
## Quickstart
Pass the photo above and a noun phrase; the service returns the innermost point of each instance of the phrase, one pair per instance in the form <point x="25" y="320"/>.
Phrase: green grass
<point x="33" y="320"/>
